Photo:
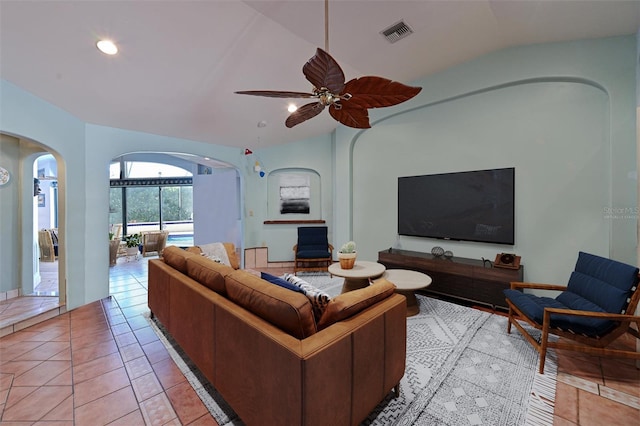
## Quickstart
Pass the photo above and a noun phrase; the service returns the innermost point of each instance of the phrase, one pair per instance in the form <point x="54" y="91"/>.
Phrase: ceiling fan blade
<point x="276" y="94"/>
<point x="355" y="117"/>
<point x="304" y="113"/>
<point x="377" y="92"/>
<point x="323" y="71"/>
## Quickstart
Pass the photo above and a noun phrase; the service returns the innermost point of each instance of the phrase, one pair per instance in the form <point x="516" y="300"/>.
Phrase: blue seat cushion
<point x="312" y="243"/>
<point x="313" y="253"/>
<point x="604" y="282"/>
<point x="530" y="305"/>
<point x="533" y="308"/>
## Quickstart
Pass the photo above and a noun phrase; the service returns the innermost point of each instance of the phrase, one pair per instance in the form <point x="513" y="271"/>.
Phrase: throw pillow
<point x="350" y="303"/>
<point x="216" y="252"/>
<point x="213" y="257"/>
<point x="280" y="282"/>
<point x="319" y="299"/>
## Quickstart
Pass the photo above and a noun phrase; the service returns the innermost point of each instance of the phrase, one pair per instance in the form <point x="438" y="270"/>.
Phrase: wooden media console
<point x="456" y="277"/>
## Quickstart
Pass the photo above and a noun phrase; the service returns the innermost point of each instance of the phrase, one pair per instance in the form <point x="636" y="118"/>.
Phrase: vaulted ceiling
<point x="180" y="61"/>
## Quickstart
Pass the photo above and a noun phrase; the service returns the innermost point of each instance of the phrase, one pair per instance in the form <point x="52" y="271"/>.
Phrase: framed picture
<point x="41" y="202"/>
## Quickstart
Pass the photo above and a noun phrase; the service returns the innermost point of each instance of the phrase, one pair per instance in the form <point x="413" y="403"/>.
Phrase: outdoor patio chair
<point x="313" y="251"/>
<point x="154" y="241"/>
<point x="47" y="249"/>
<point x="594" y="309"/>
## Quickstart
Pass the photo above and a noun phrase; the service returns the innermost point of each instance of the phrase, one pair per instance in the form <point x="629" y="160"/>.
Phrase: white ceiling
<point x="180" y="61"/>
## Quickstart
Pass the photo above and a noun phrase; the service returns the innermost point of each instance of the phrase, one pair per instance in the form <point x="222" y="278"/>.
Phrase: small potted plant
<point x="347" y="255"/>
<point x="133" y="242"/>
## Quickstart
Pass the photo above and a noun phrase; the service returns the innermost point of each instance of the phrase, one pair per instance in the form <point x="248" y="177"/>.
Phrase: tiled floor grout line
<point x="131" y="379"/>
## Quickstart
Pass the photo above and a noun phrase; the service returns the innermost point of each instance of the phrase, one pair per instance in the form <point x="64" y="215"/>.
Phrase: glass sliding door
<point x="142" y="207"/>
<point x="115" y="212"/>
<point x="177" y="213"/>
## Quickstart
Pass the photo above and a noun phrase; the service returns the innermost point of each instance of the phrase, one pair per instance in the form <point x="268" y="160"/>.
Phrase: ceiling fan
<point x="348" y="102"/>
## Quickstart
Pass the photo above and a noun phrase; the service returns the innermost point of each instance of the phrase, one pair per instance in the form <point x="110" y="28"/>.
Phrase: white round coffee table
<point x="359" y="275"/>
<point x="407" y="282"/>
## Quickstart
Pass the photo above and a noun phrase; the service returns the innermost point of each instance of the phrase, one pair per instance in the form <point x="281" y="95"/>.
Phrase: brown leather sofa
<point x="259" y="345"/>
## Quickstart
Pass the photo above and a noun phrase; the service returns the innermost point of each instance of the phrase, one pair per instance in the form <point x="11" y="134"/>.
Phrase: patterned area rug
<point x="462" y="369"/>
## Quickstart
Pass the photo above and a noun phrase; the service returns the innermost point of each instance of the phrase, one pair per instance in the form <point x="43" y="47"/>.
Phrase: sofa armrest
<point x="336" y="376"/>
<point x="360" y="359"/>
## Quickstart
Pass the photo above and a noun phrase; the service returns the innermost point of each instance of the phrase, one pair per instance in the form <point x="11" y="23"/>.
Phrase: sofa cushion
<point x="176" y="258"/>
<point x="350" y="303"/>
<point x="208" y="272"/>
<point x="288" y="310"/>
<point x="281" y="282"/>
<point x="319" y="299"/>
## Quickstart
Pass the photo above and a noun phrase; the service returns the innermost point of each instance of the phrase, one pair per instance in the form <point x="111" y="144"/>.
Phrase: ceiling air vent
<point x="396" y="32"/>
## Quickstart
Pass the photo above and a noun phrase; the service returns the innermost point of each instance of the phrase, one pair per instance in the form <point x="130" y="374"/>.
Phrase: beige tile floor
<point x="103" y="364"/>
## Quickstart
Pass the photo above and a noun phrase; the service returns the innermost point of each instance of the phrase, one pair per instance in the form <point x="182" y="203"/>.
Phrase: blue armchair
<point x="594" y="309"/>
<point x="313" y="251"/>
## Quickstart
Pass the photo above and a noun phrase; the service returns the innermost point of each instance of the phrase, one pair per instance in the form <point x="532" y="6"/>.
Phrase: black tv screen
<point x="465" y="206"/>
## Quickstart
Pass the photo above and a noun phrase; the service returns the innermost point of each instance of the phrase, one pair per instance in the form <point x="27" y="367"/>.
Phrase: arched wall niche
<point x="530" y="124"/>
<point x="294" y="194"/>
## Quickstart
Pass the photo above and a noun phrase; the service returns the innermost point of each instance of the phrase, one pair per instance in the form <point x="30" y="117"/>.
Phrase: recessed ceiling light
<point x="292" y="108"/>
<point x="107" y="47"/>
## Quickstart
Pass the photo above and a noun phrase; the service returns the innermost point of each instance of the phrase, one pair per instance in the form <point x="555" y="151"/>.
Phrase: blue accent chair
<point x="594" y="309"/>
<point x="313" y="251"/>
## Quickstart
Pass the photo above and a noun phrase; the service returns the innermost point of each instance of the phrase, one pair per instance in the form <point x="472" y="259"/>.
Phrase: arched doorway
<point x="194" y="199"/>
<point x="46" y="282"/>
<point x="20" y="248"/>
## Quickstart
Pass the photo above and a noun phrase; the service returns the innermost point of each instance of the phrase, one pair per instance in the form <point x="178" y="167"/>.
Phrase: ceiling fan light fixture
<point x="347" y="101"/>
<point x="107" y="47"/>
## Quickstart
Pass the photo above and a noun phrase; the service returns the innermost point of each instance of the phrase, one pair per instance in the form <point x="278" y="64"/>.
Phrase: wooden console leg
<point x="396" y="390"/>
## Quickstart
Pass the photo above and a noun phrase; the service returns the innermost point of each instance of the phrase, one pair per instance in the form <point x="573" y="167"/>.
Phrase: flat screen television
<point x="464" y="206"/>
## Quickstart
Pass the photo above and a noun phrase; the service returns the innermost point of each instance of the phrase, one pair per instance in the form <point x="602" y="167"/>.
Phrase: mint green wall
<point x="562" y="114"/>
<point x="9" y="214"/>
<point x="583" y="93"/>
<point x="27" y="116"/>
<point x="313" y="154"/>
<point x="83" y="152"/>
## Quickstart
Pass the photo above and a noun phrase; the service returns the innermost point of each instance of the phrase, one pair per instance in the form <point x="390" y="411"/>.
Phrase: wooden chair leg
<point x="546" y="320"/>
<point x="396" y="390"/>
<point x="509" y="320"/>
